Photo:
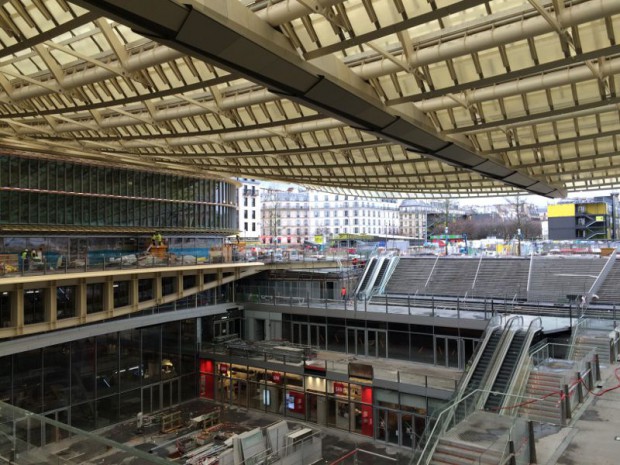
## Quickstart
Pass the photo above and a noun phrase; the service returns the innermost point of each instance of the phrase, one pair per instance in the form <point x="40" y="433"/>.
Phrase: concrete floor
<point x="336" y="443"/>
<point x="594" y="437"/>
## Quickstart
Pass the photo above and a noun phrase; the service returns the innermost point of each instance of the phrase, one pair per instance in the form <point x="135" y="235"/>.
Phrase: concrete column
<point x="108" y="296"/>
<point x="81" y="309"/>
<point x="200" y="280"/>
<point x="17" y="308"/>
<point x="157" y="289"/>
<point x="49" y="304"/>
<point x="133" y="292"/>
<point x="179" y="286"/>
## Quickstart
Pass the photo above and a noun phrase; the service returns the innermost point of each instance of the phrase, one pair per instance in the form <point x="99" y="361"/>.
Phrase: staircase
<point x="609" y="292"/>
<point x="557" y="278"/>
<point x="506" y="371"/>
<point x="509" y="275"/>
<point x="548" y="408"/>
<point x="410" y="275"/>
<point x="586" y="342"/>
<point x="453" y="452"/>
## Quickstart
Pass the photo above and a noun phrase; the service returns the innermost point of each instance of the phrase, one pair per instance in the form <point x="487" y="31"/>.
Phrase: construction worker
<point x="157" y="239"/>
<point x="25" y="257"/>
<point x="343" y="293"/>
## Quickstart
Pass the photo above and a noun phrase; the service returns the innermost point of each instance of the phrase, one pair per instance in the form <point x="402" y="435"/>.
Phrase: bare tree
<point x="517" y="230"/>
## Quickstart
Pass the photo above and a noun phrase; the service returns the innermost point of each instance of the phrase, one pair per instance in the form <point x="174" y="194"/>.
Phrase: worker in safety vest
<point x="157" y="239"/>
<point x="25" y="259"/>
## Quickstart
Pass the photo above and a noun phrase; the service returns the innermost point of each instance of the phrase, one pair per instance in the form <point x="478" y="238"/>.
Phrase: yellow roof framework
<point x="416" y="98"/>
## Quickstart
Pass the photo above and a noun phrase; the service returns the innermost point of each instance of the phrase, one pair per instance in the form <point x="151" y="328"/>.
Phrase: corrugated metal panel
<point x="596" y="208"/>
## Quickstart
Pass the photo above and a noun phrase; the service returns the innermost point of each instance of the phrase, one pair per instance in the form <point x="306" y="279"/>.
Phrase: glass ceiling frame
<point x="394" y="98"/>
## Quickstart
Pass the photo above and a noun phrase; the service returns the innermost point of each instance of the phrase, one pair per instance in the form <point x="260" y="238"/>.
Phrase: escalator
<point x="506" y="371"/>
<point x="480" y="370"/>
<point x="369" y="272"/>
<point x="381" y="274"/>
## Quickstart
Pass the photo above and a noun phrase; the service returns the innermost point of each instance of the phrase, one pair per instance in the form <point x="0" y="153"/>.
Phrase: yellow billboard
<point x="596" y="208"/>
<point x="562" y="209"/>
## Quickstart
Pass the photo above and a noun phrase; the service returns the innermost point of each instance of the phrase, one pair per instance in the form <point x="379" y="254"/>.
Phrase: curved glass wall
<point x="87" y="251"/>
<point x="52" y="193"/>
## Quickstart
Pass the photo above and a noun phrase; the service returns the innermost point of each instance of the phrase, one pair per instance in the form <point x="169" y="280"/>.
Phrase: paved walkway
<point x="594" y="438"/>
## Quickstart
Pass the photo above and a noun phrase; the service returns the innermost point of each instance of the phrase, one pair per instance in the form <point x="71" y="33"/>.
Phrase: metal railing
<point x="257" y="355"/>
<point x="518" y="383"/>
<point x="517" y="434"/>
<point x="28" y="449"/>
<point x="138" y="260"/>
<point x="438" y="427"/>
<point x="499" y="355"/>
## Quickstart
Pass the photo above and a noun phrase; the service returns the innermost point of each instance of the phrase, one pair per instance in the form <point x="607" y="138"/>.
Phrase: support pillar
<point x="80" y="301"/>
<point x="108" y="296"/>
<point x="179" y="285"/>
<point x="17" y="308"/>
<point x="49" y="305"/>
<point x="157" y="289"/>
<point x="133" y="293"/>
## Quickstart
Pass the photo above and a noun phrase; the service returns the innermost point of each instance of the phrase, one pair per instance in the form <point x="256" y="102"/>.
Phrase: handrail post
<point x="511" y="449"/>
<point x="598" y="367"/>
<point x="590" y="375"/>
<point x="579" y="388"/>
<point x="532" y="442"/>
<point x="567" y="403"/>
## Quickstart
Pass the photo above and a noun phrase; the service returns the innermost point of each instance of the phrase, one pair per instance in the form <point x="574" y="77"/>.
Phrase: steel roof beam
<point x="241" y="42"/>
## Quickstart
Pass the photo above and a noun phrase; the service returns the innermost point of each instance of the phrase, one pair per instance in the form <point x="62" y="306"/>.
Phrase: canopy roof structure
<point x="395" y="98"/>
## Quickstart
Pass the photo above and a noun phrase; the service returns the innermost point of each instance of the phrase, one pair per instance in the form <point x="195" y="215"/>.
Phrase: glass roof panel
<point x="490" y="75"/>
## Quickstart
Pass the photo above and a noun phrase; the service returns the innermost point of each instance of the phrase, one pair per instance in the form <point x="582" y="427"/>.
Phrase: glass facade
<point x="98" y="381"/>
<point x="386" y="415"/>
<point x="440" y="346"/>
<point x="59" y="252"/>
<point x="53" y="193"/>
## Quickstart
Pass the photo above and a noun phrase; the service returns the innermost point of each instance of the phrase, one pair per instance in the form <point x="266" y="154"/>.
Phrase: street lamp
<point x="446" y="231"/>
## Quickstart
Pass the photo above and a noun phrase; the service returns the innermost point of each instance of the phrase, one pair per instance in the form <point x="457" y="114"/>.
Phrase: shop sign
<point x="276" y="377"/>
<point x="339" y="388"/>
<point x="223" y="368"/>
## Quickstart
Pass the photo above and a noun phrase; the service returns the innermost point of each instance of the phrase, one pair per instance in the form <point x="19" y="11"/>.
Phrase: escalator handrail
<point x="534" y="326"/>
<point x="497" y="359"/>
